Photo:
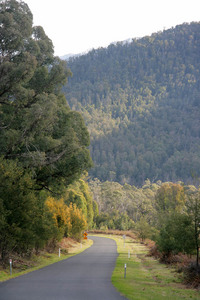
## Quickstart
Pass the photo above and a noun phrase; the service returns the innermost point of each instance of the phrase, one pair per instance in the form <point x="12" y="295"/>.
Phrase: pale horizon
<point x="77" y="26"/>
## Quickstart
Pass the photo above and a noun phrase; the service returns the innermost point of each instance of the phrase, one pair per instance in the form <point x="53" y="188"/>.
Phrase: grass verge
<point x="44" y="259"/>
<point x="146" y="278"/>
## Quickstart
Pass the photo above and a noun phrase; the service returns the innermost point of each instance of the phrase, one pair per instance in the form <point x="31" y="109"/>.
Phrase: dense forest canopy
<point x="43" y="144"/>
<point x="141" y="103"/>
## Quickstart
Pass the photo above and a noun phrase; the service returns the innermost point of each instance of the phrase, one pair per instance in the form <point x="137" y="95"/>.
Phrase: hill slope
<point x="141" y="103"/>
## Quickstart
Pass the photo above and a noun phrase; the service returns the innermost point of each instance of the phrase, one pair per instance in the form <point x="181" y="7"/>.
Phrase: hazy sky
<point x="76" y="26"/>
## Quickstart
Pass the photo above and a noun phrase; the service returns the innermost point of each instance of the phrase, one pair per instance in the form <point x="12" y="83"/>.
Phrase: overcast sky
<point x="75" y="26"/>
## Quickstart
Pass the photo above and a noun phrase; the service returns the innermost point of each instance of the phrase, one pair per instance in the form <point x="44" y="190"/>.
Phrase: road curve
<point x="86" y="276"/>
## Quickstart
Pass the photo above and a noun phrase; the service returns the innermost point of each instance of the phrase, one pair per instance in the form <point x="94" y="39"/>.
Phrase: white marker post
<point x="125" y="271"/>
<point x="124" y="237"/>
<point x="59" y="252"/>
<point x="10" y="267"/>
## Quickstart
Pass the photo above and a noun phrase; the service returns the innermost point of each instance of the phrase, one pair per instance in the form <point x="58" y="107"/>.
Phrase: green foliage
<point x="18" y="208"/>
<point x="167" y="212"/>
<point x="25" y="223"/>
<point x="79" y="193"/>
<point x="193" y="210"/>
<point x="113" y="197"/>
<point x="43" y="144"/>
<point x="121" y="206"/>
<point x="178" y="219"/>
<point x="44" y="228"/>
<point x="177" y="235"/>
<point x="37" y="126"/>
<point x="170" y="197"/>
<point x="114" y="220"/>
<point x="143" y="228"/>
<point x="140" y="101"/>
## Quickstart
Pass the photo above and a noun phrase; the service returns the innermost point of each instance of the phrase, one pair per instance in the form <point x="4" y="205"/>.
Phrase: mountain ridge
<point x="140" y="101"/>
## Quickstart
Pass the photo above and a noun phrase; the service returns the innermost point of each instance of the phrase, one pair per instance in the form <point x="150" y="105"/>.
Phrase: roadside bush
<point x="143" y="229"/>
<point x="192" y="275"/>
<point x="154" y="252"/>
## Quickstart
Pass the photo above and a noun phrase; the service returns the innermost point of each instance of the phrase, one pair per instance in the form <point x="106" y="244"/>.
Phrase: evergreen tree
<point x="37" y="126"/>
<point x="43" y="144"/>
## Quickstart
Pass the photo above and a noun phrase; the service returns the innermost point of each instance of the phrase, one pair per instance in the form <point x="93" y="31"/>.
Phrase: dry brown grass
<point x="115" y="232"/>
<point x="67" y="243"/>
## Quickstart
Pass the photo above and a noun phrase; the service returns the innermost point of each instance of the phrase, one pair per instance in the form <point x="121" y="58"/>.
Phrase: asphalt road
<point x="86" y="276"/>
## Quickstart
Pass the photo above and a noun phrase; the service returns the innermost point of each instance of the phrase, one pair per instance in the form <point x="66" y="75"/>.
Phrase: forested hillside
<point x="141" y="103"/>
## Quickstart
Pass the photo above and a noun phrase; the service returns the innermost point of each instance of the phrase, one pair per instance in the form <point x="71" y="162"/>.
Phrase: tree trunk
<point x="197" y="262"/>
<point x="197" y="243"/>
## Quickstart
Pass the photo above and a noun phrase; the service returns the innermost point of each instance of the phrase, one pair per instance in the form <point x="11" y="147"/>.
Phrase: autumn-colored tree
<point x="69" y="220"/>
<point x="79" y="193"/>
<point x="60" y="215"/>
<point x="78" y="221"/>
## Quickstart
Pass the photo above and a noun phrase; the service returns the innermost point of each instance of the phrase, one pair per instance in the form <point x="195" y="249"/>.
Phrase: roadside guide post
<point x="125" y="271"/>
<point x="10" y="267"/>
<point x="59" y="253"/>
<point x="124" y="237"/>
